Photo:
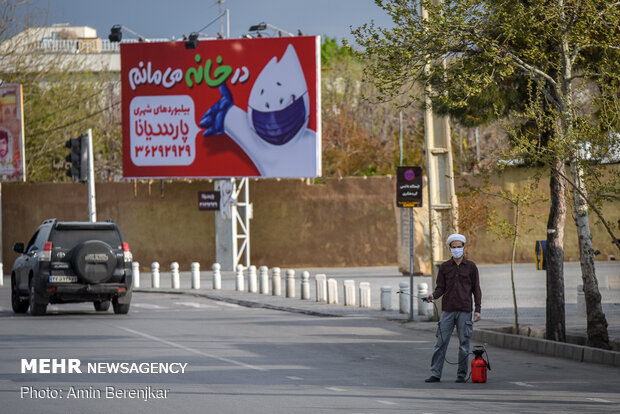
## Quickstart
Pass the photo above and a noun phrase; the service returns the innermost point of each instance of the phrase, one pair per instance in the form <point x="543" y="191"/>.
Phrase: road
<point x="247" y="360"/>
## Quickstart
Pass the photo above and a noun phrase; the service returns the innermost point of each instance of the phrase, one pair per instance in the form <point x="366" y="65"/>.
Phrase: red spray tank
<point x="479" y="365"/>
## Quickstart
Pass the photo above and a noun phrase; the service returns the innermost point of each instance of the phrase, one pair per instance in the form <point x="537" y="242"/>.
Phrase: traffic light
<point x="78" y="157"/>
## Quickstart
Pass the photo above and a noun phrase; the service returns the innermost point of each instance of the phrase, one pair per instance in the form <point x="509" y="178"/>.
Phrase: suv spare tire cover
<point x="94" y="261"/>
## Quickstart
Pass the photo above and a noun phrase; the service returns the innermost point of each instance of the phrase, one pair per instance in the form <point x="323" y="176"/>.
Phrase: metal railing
<point x="86" y="46"/>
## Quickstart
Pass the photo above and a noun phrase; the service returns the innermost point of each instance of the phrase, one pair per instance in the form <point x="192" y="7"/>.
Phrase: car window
<point x="32" y="240"/>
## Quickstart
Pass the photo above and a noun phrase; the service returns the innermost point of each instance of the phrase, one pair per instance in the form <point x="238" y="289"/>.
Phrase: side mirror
<point x="18" y="248"/>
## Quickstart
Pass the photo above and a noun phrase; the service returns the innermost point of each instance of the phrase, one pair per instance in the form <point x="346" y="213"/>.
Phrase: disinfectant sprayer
<point x="479" y="365"/>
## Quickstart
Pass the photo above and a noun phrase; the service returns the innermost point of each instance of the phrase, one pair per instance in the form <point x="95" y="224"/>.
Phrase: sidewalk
<point x="497" y="301"/>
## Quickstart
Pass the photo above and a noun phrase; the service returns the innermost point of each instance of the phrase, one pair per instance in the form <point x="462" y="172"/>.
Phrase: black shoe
<point x="432" y="379"/>
<point x="460" y="379"/>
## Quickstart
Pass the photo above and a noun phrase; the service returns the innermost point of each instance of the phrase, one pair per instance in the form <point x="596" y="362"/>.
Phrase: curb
<point x="565" y="350"/>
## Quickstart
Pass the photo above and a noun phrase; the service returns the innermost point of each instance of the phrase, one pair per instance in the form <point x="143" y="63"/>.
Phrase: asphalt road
<point x="248" y="360"/>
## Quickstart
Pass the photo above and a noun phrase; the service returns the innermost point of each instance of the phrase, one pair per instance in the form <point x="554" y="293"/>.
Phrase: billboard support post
<point x="232" y="223"/>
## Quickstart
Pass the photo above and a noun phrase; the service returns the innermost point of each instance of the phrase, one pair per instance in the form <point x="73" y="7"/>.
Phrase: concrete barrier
<point x="321" y="287"/>
<point x="305" y="285"/>
<point x="290" y="283"/>
<point x="217" y="276"/>
<point x="386" y="298"/>
<point x="365" y="295"/>
<point x="155" y="275"/>
<point x="424" y="308"/>
<point x="175" y="278"/>
<point x="135" y="274"/>
<point x="252" y="280"/>
<point x="239" y="279"/>
<point x="263" y="280"/>
<point x="276" y="282"/>
<point x="332" y="291"/>
<point x="403" y="297"/>
<point x="195" y="267"/>
<point x="349" y="292"/>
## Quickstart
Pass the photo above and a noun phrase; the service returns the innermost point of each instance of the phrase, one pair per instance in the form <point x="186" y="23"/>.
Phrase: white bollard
<point x="252" y="280"/>
<point x="195" y="266"/>
<point x="276" y="282"/>
<point x="155" y="275"/>
<point x="349" y="292"/>
<point x="581" y="302"/>
<point x="263" y="280"/>
<point x="217" y="276"/>
<point x="332" y="291"/>
<point x="135" y="274"/>
<point x="1" y="274"/>
<point x="240" y="281"/>
<point x="403" y="297"/>
<point x="305" y="285"/>
<point x="386" y="298"/>
<point x="321" y="288"/>
<point x="365" y="295"/>
<point x="424" y="308"/>
<point x="175" y="279"/>
<point x="290" y="283"/>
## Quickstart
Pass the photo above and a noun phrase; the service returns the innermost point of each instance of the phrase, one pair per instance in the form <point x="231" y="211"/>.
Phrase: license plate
<point x="63" y="279"/>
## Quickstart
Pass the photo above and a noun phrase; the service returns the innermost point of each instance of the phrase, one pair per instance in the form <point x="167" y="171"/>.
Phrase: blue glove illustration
<point x="213" y="119"/>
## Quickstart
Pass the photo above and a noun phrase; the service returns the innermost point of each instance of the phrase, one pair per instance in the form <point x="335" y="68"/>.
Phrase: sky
<point x="174" y="18"/>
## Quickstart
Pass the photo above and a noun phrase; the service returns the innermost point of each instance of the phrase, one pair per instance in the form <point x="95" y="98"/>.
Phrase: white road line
<point x="195" y="305"/>
<point x="522" y="384"/>
<point x="295" y="378"/>
<point x="336" y="389"/>
<point x="230" y="305"/>
<point x="147" y="306"/>
<point x="192" y="350"/>
<point x="386" y="402"/>
<point x="599" y="400"/>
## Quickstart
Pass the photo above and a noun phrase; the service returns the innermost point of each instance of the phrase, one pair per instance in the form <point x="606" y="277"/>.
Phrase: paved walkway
<point x="497" y="302"/>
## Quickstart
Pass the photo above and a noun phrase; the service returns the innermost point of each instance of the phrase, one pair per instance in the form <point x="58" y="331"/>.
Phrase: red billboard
<point x="228" y="108"/>
<point x="12" y="162"/>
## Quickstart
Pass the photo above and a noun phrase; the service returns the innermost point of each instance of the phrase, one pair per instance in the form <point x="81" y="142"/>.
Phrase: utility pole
<point x="442" y="201"/>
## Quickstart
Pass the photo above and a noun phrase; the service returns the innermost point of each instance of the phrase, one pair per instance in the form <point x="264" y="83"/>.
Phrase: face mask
<point x="457" y="252"/>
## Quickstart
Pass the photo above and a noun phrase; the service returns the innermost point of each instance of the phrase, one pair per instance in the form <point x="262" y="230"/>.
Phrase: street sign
<point x="208" y="200"/>
<point x="409" y="186"/>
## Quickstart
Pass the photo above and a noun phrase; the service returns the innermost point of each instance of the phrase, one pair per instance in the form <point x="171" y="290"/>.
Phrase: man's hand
<point x="476" y="316"/>
<point x="430" y="298"/>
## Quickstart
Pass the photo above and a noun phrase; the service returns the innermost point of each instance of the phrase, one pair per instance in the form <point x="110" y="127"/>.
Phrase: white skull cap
<point x="455" y="237"/>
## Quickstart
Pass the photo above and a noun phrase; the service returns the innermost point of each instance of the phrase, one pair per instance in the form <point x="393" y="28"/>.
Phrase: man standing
<point x="457" y="281"/>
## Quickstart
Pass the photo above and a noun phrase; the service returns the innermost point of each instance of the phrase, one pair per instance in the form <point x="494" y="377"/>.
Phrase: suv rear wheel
<point x="36" y="309"/>
<point x="120" y="308"/>
<point x="19" y="305"/>
<point x="101" y="305"/>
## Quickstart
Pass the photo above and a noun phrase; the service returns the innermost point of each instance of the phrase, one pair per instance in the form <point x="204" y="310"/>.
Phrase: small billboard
<point x="227" y="108"/>
<point x="12" y="162"/>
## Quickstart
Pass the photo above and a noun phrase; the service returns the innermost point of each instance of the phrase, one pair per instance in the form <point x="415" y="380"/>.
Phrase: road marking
<point x="230" y="305"/>
<point x="194" y="305"/>
<point x="147" y="306"/>
<point x="386" y="402"/>
<point x="295" y="378"/>
<point x="599" y="400"/>
<point x="192" y="350"/>
<point x="335" y="389"/>
<point x="522" y="384"/>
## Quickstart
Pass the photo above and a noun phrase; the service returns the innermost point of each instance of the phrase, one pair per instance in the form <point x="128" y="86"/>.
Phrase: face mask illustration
<point x="273" y="132"/>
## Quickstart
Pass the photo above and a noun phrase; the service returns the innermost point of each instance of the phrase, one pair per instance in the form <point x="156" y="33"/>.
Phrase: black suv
<point x="72" y="261"/>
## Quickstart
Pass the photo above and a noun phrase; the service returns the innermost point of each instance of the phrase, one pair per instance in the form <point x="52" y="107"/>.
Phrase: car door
<point x="24" y="262"/>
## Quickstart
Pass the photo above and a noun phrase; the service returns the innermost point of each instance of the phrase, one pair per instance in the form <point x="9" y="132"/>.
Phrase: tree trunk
<point x="512" y="268"/>
<point x="556" y="322"/>
<point x="597" y="323"/>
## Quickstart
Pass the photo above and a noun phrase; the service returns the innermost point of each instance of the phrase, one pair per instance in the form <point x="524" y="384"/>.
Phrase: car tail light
<point x="47" y="252"/>
<point x="122" y="289"/>
<point x="126" y="253"/>
<point x="51" y="289"/>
